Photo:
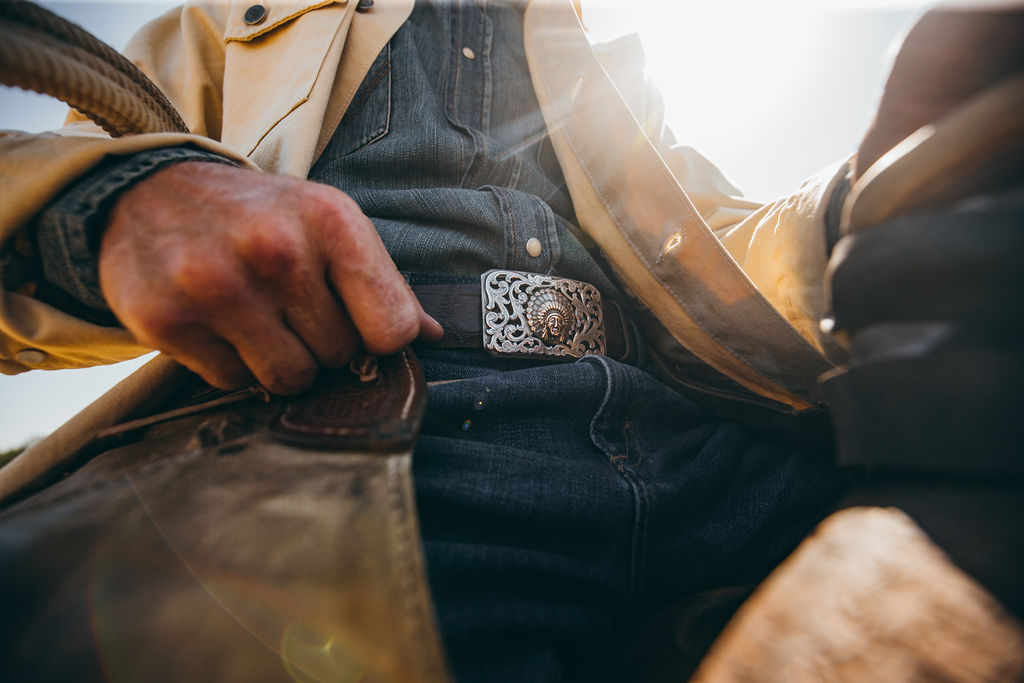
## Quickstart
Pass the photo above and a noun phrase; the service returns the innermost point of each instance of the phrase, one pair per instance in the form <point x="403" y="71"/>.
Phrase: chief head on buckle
<point x="527" y="314"/>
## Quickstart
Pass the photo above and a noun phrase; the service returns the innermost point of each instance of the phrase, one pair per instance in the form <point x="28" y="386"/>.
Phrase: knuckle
<point x="231" y="380"/>
<point x="287" y="381"/>
<point x="339" y="354"/>
<point x="221" y="379"/>
<point x="332" y="199"/>
<point x="213" y="370"/>
<point x="206" y="278"/>
<point x="158" y="326"/>
<point x="271" y="250"/>
<point x="336" y="212"/>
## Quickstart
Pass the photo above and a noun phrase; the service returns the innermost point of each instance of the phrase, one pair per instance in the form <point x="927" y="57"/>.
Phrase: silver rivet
<point x="533" y="247"/>
<point x="30" y="356"/>
<point x="468" y="53"/>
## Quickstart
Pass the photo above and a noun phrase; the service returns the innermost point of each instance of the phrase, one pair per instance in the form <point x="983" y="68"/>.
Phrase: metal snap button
<point x="30" y="356"/>
<point x="468" y="53"/>
<point x="255" y="14"/>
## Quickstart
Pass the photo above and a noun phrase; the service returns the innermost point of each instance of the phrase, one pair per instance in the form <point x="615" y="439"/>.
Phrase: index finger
<point x="382" y="307"/>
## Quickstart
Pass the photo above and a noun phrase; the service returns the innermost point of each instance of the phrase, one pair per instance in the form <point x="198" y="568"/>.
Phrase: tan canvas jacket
<point x="735" y="282"/>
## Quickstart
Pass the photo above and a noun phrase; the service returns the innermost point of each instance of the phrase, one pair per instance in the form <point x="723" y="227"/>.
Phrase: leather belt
<point x="528" y="315"/>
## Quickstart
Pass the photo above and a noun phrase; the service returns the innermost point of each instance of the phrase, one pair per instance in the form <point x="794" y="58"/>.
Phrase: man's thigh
<point x="562" y="502"/>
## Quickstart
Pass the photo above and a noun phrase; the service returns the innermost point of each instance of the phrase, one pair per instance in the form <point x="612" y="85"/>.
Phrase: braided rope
<point x="43" y="52"/>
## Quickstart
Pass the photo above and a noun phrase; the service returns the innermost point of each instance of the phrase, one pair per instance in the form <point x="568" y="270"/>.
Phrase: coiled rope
<point x="45" y="53"/>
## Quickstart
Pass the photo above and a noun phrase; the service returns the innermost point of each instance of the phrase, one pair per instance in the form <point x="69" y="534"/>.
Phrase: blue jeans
<point x="559" y="502"/>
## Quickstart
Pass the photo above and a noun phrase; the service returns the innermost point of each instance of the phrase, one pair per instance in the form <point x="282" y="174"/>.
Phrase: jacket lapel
<point x="628" y="201"/>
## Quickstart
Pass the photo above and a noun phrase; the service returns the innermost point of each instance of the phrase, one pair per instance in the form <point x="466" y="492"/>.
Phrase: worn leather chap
<point x="257" y="542"/>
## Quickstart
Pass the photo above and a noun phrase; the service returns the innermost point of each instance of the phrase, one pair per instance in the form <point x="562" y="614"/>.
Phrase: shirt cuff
<point x="69" y="229"/>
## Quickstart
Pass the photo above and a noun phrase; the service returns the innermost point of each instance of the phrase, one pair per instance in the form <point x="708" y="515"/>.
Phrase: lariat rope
<point x="42" y="52"/>
<point x="45" y="53"/>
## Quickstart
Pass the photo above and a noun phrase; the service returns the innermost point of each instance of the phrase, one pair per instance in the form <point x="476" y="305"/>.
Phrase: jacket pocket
<point x="368" y="117"/>
<point x="270" y="66"/>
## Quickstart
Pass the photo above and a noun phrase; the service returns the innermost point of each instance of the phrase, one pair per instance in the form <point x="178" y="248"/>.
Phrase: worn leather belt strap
<point x="458" y="309"/>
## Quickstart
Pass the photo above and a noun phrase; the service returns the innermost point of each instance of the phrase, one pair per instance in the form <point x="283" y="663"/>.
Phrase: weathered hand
<point x="946" y="58"/>
<point x="241" y="275"/>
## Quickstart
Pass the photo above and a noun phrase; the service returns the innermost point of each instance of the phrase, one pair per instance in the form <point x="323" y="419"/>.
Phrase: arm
<point x="275" y="321"/>
<point x="35" y="169"/>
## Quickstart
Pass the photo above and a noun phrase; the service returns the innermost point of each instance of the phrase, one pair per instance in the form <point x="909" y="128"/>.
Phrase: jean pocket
<point x="368" y="117"/>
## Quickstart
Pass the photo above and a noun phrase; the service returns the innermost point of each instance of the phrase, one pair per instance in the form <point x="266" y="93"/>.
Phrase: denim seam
<point x="485" y="65"/>
<point x="641" y="496"/>
<point x="515" y="174"/>
<point x="451" y="79"/>
<point x="384" y="72"/>
<point x="453" y="73"/>
<point x="638" y="549"/>
<point x="511" y="242"/>
<point x="554" y="246"/>
<point x="478" y="159"/>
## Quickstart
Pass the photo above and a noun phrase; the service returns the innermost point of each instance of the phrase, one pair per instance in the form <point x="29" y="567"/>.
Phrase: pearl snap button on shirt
<point x="469" y="54"/>
<point x="533" y="247"/>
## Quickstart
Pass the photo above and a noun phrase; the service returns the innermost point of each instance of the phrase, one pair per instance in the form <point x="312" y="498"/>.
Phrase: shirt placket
<point x="471" y="45"/>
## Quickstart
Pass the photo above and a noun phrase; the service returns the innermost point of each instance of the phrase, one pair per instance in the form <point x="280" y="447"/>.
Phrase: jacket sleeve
<point x="781" y="245"/>
<point x="183" y="52"/>
<point x="782" y="248"/>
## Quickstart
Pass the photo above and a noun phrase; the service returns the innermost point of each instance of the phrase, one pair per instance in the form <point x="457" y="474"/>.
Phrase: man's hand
<point x="949" y="56"/>
<point x="240" y="275"/>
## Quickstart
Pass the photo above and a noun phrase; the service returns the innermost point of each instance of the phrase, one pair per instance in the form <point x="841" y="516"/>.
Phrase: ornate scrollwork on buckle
<point x="526" y="314"/>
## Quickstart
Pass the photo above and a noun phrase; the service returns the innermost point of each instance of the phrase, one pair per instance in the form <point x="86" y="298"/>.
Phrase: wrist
<point x="69" y="231"/>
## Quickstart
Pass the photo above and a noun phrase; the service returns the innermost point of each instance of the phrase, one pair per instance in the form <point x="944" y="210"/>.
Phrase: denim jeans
<point x="560" y="502"/>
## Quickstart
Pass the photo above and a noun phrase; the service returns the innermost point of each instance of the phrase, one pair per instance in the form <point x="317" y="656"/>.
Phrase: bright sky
<point x="770" y="91"/>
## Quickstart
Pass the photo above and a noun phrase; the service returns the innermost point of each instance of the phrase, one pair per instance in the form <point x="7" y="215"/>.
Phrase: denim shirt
<point x="443" y="147"/>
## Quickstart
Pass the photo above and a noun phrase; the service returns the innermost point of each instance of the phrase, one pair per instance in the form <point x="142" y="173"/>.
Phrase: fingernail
<point x="437" y="326"/>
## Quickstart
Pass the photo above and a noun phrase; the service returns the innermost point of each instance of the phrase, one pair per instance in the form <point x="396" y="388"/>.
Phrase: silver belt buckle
<point x="527" y="314"/>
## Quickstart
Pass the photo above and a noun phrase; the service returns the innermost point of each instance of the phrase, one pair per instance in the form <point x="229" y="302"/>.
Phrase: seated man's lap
<point x="561" y="503"/>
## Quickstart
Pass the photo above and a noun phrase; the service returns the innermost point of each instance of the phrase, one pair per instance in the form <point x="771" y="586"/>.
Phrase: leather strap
<point x="375" y="406"/>
<point x="458" y="309"/>
<point x="270" y="541"/>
